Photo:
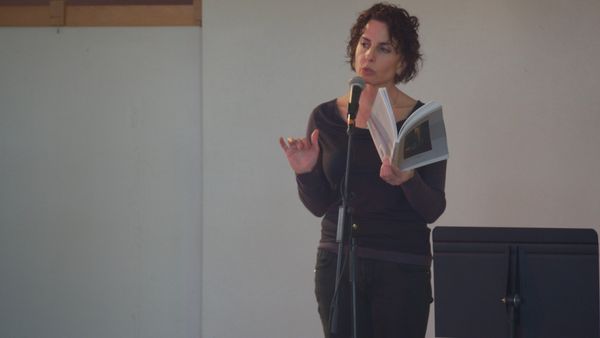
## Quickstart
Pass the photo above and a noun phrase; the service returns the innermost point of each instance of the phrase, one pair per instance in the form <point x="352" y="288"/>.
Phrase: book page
<point x="422" y="138"/>
<point x="382" y="124"/>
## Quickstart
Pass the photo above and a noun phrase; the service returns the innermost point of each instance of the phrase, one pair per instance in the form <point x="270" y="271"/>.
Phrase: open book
<point x="421" y="139"/>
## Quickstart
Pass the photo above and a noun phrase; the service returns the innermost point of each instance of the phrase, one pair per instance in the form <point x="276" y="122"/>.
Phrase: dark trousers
<point x="392" y="299"/>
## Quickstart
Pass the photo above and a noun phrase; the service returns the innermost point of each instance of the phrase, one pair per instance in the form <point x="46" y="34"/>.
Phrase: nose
<point x="370" y="54"/>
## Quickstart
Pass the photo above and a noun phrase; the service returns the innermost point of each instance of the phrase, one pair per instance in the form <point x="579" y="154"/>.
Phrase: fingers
<point x="314" y="137"/>
<point x="289" y="142"/>
<point x="299" y="143"/>
<point x="282" y="143"/>
<point x="393" y="175"/>
<point x="387" y="169"/>
<point x="385" y="172"/>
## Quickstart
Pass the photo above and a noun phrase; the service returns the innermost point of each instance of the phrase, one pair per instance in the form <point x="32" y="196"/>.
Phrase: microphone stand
<point x="343" y="225"/>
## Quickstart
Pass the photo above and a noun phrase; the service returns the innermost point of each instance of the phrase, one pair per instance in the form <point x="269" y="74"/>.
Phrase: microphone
<point x="356" y="86"/>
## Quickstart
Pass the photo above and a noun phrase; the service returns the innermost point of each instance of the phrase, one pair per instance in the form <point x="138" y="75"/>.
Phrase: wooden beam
<point x="25" y="16"/>
<point x="159" y="15"/>
<point x="198" y="12"/>
<point x="61" y="13"/>
<point x="57" y="12"/>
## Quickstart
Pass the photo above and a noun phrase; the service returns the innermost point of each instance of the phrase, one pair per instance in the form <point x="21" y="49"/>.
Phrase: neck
<point x="369" y="94"/>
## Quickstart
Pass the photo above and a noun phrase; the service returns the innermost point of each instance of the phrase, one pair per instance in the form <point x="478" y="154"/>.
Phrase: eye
<point x="364" y="43"/>
<point x="385" y="49"/>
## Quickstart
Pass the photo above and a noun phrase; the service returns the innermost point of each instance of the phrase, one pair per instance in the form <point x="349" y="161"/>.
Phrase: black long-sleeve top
<point x="392" y="219"/>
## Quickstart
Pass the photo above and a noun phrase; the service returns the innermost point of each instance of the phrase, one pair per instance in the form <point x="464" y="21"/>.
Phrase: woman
<point x="391" y="207"/>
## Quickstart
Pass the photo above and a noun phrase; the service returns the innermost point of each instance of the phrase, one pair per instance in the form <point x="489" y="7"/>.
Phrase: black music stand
<point x="515" y="282"/>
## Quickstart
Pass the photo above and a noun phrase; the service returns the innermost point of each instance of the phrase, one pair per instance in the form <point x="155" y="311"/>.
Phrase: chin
<point x="370" y="79"/>
<point x="374" y="83"/>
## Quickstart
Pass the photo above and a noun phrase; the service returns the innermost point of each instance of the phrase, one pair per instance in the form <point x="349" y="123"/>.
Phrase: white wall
<point x="101" y="174"/>
<point x="100" y="192"/>
<point x="518" y="81"/>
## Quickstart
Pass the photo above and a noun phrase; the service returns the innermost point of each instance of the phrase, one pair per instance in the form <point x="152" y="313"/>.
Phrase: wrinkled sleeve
<point x="313" y="187"/>
<point x="425" y="191"/>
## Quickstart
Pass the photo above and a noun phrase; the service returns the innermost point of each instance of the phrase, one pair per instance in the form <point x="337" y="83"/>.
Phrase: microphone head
<point x="357" y="81"/>
<point x="356" y="86"/>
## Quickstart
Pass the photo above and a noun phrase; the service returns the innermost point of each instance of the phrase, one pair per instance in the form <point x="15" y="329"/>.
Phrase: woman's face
<point x="376" y="59"/>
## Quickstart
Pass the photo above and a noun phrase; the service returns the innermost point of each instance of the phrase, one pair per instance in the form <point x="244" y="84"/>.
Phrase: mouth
<point x="367" y="71"/>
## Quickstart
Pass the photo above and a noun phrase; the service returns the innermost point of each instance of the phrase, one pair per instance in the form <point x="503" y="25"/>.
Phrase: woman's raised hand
<point x="301" y="153"/>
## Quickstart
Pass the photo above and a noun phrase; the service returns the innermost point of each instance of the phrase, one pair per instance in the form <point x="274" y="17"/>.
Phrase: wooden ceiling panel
<point x="100" y="12"/>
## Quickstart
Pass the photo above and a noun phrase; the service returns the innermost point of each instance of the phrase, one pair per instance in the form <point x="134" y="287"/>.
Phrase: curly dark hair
<point x="402" y="28"/>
